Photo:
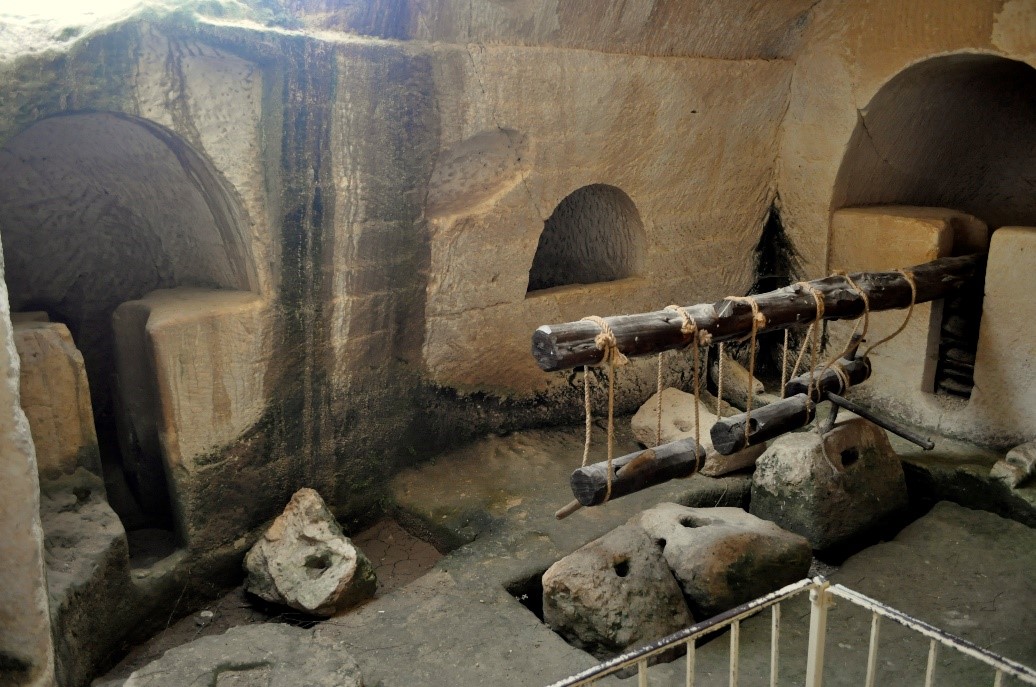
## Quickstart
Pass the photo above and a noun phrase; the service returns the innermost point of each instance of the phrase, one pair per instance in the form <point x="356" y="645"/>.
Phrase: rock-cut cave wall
<point x="386" y="171"/>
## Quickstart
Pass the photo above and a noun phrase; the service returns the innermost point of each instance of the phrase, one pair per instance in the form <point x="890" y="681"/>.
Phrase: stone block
<point x="829" y="489"/>
<point x="735" y="381"/>
<point x="192" y="371"/>
<point x="91" y="597"/>
<point x="1004" y="399"/>
<point x="678" y="423"/>
<point x="305" y="562"/>
<point x="613" y="593"/>
<point x="56" y="398"/>
<point x="724" y="557"/>
<point x="1017" y="467"/>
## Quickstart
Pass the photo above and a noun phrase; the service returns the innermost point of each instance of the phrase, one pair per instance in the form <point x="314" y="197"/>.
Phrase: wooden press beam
<point x="729" y="434"/>
<point x="636" y="471"/>
<point x="571" y="344"/>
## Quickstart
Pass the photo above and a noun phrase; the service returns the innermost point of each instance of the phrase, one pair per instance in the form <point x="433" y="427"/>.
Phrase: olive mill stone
<point x="304" y="561"/>
<point x="830" y="489"/>
<point x="613" y="593"/>
<point x="724" y="557"/>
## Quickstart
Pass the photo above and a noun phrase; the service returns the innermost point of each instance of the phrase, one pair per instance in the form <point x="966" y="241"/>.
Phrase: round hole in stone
<point x="690" y="521"/>
<point x="660" y="543"/>
<point x="317" y="564"/>
<point x="849" y="456"/>
<point x="622" y="567"/>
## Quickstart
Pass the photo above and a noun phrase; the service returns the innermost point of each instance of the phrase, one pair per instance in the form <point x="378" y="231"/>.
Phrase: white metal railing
<point x="821" y="594"/>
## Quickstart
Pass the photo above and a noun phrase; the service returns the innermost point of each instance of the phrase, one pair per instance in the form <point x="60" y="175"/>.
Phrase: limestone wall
<point x="698" y="170"/>
<point x="364" y="185"/>
<point x="704" y="28"/>
<point x="849" y="52"/>
<point x="26" y="648"/>
<point x="923" y="104"/>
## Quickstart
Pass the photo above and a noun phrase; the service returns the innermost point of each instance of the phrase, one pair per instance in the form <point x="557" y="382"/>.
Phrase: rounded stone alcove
<point x="101" y="208"/>
<point x="942" y="156"/>
<point x="957" y="131"/>
<point x="595" y="234"/>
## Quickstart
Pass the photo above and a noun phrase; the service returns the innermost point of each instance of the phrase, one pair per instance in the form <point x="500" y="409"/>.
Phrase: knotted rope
<point x="699" y="338"/>
<point x="812" y="339"/>
<point x="832" y="363"/>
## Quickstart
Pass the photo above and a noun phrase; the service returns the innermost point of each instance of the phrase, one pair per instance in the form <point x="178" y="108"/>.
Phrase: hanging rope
<point x="832" y="363"/>
<point x="613" y="357"/>
<point x="586" y="413"/>
<point x="909" y="276"/>
<point x="719" y="381"/>
<point x="784" y="361"/>
<point x="700" y="337"/>
<point x="758" y="321"/>
<point x="812" y="342"/>
<point x="658" y="404"/>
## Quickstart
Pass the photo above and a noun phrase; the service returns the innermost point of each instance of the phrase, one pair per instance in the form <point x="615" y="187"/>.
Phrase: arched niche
<point x="943" y="150"/>
<point x="957" y="131"/>
<point x="100" y="208"/>
<point x="594" y="235"/>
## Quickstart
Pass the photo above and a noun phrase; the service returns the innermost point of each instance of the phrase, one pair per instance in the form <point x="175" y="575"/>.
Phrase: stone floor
<point x="464" y="623"/>
<point x="398" y="558"/>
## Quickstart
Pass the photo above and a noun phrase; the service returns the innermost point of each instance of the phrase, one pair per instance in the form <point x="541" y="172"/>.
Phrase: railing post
<point x="820" y="601"/>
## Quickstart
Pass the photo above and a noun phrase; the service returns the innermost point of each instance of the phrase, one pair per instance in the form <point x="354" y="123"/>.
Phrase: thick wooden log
<point x="773" y="420"/>
<point x="769" y="421"/>
<point x="857" y="371"/>
<point x="571" y="344"/>
<point x="636" y="471"/>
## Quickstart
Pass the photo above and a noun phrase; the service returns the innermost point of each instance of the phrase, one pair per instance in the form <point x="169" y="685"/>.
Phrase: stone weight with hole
<point x="305" y="562"/>
<point x="724" y="557"/>
<point x="613" y="593"/>
<point x="830" y="489"/>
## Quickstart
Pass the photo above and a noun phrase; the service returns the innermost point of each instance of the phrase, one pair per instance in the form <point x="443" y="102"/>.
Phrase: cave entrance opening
<point x="97" y="209"/>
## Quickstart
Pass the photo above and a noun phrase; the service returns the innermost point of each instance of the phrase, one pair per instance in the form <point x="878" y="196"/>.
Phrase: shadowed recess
<point x="956" y="132"/>
<point x="594" y="235"/>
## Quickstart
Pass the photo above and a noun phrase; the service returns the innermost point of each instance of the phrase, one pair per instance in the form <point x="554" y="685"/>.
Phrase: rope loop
<point x="812" y="342"/>
<point x="605" y="341"/>
<point x="701" y="338"/>
<point x="612" y="358"/>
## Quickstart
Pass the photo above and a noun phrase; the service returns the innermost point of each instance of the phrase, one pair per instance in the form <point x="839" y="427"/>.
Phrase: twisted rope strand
<point x="814" y="327"/>
<point x="758" y="321"/>
<point x="690" y="327"/>
<point x="612" y="358"/>
<point x="586" y="413"/>
<point x="784" y="361"/>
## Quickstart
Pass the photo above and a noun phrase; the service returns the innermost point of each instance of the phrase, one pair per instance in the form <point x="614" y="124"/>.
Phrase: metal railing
<point x="821" y="594"/>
